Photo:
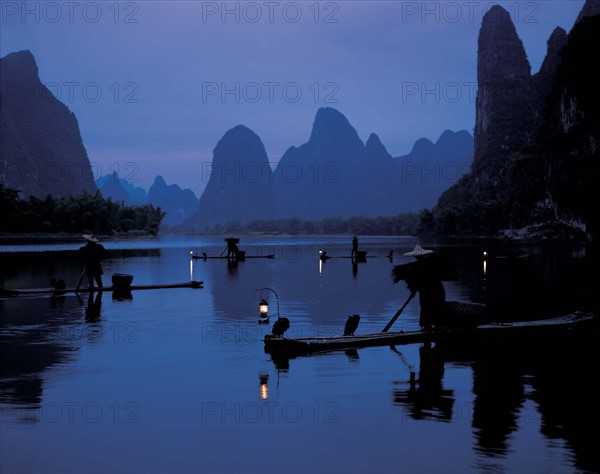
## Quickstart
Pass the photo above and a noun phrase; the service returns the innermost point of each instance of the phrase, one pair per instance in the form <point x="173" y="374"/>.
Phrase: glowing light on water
<point x="264" y="387"/>
<point x="191" y="267"/>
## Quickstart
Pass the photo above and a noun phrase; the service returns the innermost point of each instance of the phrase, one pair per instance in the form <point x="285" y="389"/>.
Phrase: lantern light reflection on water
<point x="264" y="387"/>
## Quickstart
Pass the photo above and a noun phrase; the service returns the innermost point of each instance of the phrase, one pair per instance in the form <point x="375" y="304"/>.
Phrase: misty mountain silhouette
<point x="333" y="174"/>
<point x="178" y="203"/>
<point x="41" y="150"/>
<point x="119" y="189"/>
<point x="241" y="185"/>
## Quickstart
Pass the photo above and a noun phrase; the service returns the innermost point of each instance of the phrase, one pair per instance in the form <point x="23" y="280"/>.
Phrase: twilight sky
<point x="156" y="84"/>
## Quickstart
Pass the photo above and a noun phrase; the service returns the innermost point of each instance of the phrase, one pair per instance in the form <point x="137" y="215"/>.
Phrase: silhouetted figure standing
<point x="423" y="277"/>
<point x="93" y="252"/>
<point x="354" y="246"/>
<point x="232" y="248"/>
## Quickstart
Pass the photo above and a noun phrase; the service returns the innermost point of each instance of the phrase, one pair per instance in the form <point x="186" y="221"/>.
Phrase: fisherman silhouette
<point x="354" y="246"/>
<point x="93" y="252"/>
<point x="422" y="277"/>
<point x="232" y="248"/>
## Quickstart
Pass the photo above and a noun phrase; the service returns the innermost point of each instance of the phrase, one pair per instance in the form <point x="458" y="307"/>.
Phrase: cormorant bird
<point x="351" y="325"/>
<point x="280" y="326"/>
<point x="58" y="284"/>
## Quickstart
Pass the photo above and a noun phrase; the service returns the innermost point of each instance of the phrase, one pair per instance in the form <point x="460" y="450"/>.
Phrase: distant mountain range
<point x="334" y="174"/>
<point x="119" y="189"/>
<point x="178" y="203"/>
<point x="534" y="157"/>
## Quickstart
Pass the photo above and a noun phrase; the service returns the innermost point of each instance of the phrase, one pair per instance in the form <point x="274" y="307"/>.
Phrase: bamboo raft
<point x="307" y="345"/>
<point x="52" y="291"/>
<point x="224" y="257"/>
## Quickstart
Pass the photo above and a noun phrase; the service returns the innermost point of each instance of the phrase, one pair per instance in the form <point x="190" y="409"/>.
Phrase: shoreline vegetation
<point x="532" y="234"/>
<point x="74" y="215"/>
<point x="429" y="224"/>
<point x="66" y="218"/>
<point x="406" y="224"/>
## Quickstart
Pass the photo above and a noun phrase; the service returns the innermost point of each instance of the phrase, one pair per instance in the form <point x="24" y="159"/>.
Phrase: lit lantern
<point x="264" y="311"/>
<point x="263" y="308"/>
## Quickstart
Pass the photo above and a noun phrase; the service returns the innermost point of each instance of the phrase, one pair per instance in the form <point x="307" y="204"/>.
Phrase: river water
<point x="177" y="380"/>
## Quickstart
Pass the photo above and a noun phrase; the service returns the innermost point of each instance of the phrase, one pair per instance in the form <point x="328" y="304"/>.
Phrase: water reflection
<point x="499" y="380"/>
<point x="556" y="375"/>
<point x="352" y="355"/>
<point x="31" y="344"/>
<point x="263" y="388"/>
<point x="232" y="265"/>
<point x="426" y="398"/>
<point x="94" y="304"/>
<point x="563" y="383"/>
<point x="499" y="396"/>
<point x="36" y="269"/>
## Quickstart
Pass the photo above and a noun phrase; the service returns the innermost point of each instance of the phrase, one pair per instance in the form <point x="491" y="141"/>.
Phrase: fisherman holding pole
<point x="422" y="277"/>
<point x="92" y="253"/>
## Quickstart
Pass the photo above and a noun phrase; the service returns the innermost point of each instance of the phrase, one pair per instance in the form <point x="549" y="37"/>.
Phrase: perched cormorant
<point x="58" y="284"/>
<point x="280" y="326"/>
<point x="351" y="325"/>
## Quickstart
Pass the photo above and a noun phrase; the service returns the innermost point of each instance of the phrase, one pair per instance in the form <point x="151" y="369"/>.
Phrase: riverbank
<point x="51" y="237"/>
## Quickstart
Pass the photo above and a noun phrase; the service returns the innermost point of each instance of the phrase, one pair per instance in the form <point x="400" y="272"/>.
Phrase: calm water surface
<point x="176" y="380"/>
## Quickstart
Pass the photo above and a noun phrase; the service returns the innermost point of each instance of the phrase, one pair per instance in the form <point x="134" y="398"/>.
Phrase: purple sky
<point x="146" y="78"/>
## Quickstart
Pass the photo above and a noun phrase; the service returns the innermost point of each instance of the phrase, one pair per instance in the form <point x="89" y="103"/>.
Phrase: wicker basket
<point x="121" y="280"/>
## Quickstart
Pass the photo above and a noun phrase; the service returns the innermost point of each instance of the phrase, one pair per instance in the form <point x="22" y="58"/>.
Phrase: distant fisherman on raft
<point x="232" y="248"/>
<point x="93" y="252"/>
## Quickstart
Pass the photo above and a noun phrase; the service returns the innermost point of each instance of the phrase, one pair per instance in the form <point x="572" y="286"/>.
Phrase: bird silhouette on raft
<point x="280" y="326"/>
<point x="58" y="284"/>
<point x="351" y="325"/>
